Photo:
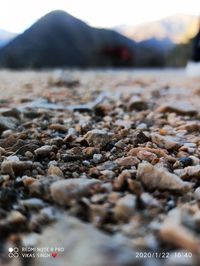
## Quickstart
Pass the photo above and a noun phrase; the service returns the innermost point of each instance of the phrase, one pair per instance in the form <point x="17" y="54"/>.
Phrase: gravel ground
<point x="99" y="168"/>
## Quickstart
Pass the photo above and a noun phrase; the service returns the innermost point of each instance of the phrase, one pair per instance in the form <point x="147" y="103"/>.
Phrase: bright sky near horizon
<point x="17" y="15"/>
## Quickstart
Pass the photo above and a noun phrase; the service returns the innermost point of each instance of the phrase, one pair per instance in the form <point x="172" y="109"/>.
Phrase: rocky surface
<point x="105" y="181"/>
<point x="83" y="240"/>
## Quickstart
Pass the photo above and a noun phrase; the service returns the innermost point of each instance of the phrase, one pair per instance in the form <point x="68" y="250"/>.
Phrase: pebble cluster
<point x="116" y="179"/>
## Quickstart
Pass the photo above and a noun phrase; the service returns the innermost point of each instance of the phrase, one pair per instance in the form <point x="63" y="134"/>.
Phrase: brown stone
<point x="154" y="177"/>
<point x="127" y="161"/>
<point x="64" y="191"/>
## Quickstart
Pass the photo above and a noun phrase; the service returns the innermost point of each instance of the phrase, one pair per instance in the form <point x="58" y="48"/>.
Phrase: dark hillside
<point x="59" y="39"/>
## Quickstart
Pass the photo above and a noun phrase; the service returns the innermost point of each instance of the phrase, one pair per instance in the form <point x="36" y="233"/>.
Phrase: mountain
<point x="163" y="45"/>
<point x="173" y="29"/>
<point x="59" y="39"/>
<point x="5" y="37"/>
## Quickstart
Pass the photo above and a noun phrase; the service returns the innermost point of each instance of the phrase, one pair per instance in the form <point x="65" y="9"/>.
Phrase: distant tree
<point x="180" y="55"/>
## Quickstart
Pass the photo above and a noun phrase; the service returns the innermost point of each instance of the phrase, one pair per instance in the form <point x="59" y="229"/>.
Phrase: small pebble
<point x="186" y="161"/>
<point x="64" y="191"/>
<point x="97" y="158"/>
<point x="97" y="138"/>
<point x="54" y="170"/>
<point x="125" y="207"/>
<point x="43" y="151"/>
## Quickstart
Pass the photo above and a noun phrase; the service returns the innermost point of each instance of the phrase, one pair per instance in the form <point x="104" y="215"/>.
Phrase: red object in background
<point x="119" y="54"/>
<point x="125" y="55"/>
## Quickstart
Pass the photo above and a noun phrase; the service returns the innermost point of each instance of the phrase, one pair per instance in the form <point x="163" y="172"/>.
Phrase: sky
<point x="18" y="15"/>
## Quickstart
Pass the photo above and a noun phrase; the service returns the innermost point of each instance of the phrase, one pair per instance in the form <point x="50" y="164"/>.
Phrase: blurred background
<point x="93" y="33"/>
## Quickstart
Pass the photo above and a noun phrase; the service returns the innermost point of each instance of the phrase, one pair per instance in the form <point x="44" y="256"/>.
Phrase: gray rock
<point x="108" y="165"/>
<point x="84" y="246"/>
<point x="142" y="126"/>
<point x="120" y="144"/>
<point x="10" y="112"/>
<point x="190" y="217"/>
<point x="166" y="142"/>
<point x="43" y="151"/>
<point x="86" y="163"/>
<point x="182" y="108"/>
<point x="173" y="232"/>
<point x="97" y="157"/>
<point x="40" y="186"/>
<point x="148" y="200"/>
<point x="97" y="138"/>
<point x="197" y="194"/>
<point x="138" y="137"/>
<point x="15" y="167"/>
<point x="108" y="173"/>
<point x="189" y="172"/>
<point x="32" y="203"/>
<point x="7" y="123"/>
<point x="125" y="207"/>
<point x="136" y="103"/>
<point x="64" y="191"/>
